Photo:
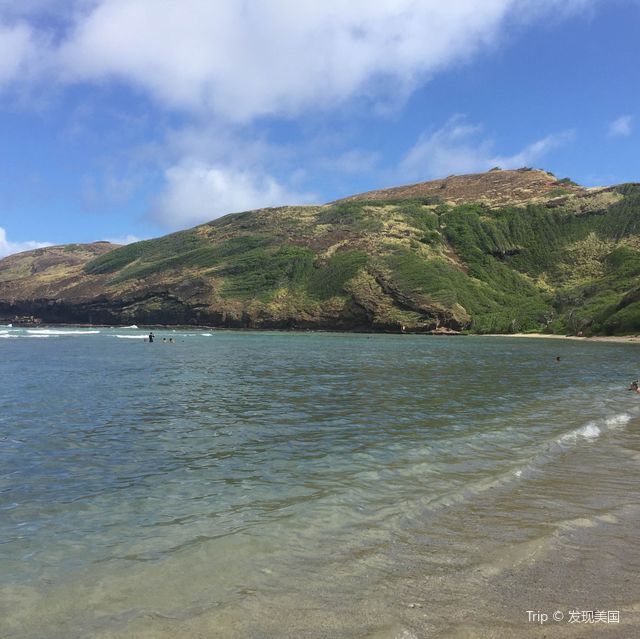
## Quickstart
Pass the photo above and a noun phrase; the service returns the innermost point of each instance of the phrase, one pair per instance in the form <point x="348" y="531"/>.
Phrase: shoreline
<point x="621" y="339"/>
<point x="612" y="339"/>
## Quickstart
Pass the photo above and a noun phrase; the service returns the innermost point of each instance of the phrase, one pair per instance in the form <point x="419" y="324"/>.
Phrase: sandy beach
<point x="611" y="339"/>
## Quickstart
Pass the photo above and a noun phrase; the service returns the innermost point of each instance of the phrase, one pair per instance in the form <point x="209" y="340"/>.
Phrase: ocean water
<point x="240" y="484"/>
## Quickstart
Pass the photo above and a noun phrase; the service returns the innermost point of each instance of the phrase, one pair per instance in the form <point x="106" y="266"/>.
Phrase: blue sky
<point x="126" y="119"/>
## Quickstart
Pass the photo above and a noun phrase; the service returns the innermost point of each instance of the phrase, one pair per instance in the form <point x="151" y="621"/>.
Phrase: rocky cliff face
<point x="498" y="251"/>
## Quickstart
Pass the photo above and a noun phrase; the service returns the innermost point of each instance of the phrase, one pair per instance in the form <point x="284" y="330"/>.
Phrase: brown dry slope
<point x="45" y="275"/>
<point x="495" y="188"/>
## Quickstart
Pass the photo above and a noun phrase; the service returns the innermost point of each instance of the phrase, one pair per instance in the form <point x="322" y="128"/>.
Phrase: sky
<point x="128" y="119"/>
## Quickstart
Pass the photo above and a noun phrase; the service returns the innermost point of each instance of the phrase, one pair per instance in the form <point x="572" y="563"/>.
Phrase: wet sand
<point x="480" y="584"/>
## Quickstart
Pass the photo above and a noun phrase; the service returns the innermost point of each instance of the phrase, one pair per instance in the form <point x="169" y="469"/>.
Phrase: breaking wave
<point x="594" y="429"/>
<point x="50" y="331"/>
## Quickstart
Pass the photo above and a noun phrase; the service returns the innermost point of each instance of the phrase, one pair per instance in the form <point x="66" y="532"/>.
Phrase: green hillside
<point x="545" y="255"/>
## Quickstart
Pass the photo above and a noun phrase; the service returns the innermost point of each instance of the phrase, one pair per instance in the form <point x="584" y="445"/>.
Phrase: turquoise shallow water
<point x="271" y="484"/>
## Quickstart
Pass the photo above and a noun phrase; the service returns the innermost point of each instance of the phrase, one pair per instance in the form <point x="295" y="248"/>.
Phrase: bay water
<point x="254" y="484"/>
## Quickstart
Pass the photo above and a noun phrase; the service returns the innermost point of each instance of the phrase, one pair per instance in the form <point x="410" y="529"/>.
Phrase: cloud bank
<point x="458" y="147"/>
<point x="243" y="60"/>
<point x="196" y="192"/>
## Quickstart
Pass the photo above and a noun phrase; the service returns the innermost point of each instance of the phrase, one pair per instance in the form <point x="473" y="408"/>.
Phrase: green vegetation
<point x="258" y="272"/>
<point x="185" y="250"/>
<point x="354" y="215"/>
<point x="628" y="189"/>
<point x="497" y="299"/>
<point x="580" y="257"/>
<point x="328" y="279"/>
<point x="151" y="251"/>
<point x="624" y="321"/>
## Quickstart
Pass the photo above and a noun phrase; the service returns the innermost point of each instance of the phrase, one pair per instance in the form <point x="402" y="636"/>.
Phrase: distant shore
<point x="623" y="339"/>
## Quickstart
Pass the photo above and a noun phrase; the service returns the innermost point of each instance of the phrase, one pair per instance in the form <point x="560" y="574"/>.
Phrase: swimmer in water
<point x="634" y="386"/>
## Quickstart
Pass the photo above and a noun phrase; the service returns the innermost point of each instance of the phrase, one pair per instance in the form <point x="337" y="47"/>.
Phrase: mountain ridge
<point x="497" y="187"/>
<point x="499" y="251"/>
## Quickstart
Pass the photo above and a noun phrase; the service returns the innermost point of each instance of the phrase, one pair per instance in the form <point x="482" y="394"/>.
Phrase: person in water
<point x="634" y="386"/>
<point x="150" y="337"/>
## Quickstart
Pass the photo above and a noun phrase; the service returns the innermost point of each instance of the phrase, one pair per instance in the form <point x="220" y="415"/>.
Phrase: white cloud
<point x="242" y="60"/>
<point x="458" y="148"/>
<point x="8" y="248"/>
<point x="18" y="50"/>
<point x="196" y="192"/>
<point x="214" y="143"/>
<point x="533" y="152"/>
<point x="621" y="127"/>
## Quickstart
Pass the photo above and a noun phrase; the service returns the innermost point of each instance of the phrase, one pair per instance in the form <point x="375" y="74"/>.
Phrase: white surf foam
<point x="127" y="327"/>
<point x="589" y="432"/>
<point x="50" y="331"/>
<point x="593" y="430"/>
<point x="132" y="336"/>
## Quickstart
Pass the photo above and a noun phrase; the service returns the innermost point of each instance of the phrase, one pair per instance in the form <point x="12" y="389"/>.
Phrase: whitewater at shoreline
<point x="613" y="339"/>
